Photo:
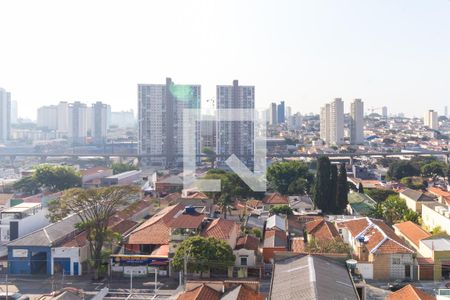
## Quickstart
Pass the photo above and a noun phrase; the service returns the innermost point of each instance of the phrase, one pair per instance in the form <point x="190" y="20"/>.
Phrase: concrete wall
<point x="74" y="254"/>
<point x="250" y="254"/>
<point x="432" y="219"/>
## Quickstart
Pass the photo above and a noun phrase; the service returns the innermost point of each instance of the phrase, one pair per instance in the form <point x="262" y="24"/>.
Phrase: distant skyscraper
<point x="123" y="119"/>
<point x="281" y="113"/>
<point x="294" y="122"/>
<point x="160" y="111"/>
<point x="384" y="112"/>
<point x="236" y="137"/>
<point x="273" y="120"/>
<point x="430" y="119"/>
<point x="5" y="115"/>
<point x="78" y="119"/>
<point x="47" y="117"/>
<point x="99" y="120"/>
<point x="288" y="112"/>
<point x="332" y="122"/>
<point x="208" y="136"/>
<point x="63" y="118"/>
<point x="14" y="112"/>
<point x="357" y="122"/>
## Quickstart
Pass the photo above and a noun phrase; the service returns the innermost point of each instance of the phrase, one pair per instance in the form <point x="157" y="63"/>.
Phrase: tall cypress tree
<point x="342" y="189"/>
<point x="333" y="199"/>
<point x="321" y="191"/>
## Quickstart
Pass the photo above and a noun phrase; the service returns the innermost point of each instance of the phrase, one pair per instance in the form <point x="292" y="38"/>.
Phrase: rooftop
<point x="311" y="277"/>
<point x="412" y="232"/>
<point x="410" y="292"/>
<point x="437" y="244"/>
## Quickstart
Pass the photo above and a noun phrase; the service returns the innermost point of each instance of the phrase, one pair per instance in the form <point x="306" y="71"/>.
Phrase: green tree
<point x="202" y="254"/>
<point x="232" y="187"/>
<point x="402" y="168"/>
<point x="322" y="184"/>
<point x="94" y="207"/>
<point x="415" y="183"/>
<point x="332" y="203"/>
<point x="27" y="185"/>
<point x="434" y="170"/>
<point x="281" y="209"/>
<point x="281" y="175"/>
<point x="57" y="178"/>
<point x="394" y="210"/>
<point x="298" y="187"/>
<point x="257" y="232"/>
<point x="211" y="155"/>
<point x="379" y="195"/>
<point x="122" y="167"/>
<point x="342" y="189"/>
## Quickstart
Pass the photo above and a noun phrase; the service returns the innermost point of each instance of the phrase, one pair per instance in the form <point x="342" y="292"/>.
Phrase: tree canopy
<point x="281" y="209"/>
<point x="122" y="167"/>
<point x="289" y="177"/>
<point x="202" y="254"/>
<point x="394" y="210"/>
<point x="379" y="195"/>
<point x="95" y="207"/>
<point x="53" y="178"/>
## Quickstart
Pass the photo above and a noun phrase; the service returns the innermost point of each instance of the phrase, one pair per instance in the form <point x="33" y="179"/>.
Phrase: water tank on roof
<point x="190" y="210"/>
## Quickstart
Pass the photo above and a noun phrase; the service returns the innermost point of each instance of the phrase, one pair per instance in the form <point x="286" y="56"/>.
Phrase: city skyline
<point x="312" y="51"/>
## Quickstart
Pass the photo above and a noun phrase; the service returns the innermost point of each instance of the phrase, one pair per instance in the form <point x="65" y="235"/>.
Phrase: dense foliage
<point x="121" y="167"/>
<point x="289" y="178"/>
<point x="330" y="189"/>
<point x="94" y="207"/>
<point x="394" y="210"/>
<point x="281" y="209"/>
<point x="48" y="177"/>
<point x="202" y="254"/>
<point x="379" y="195"/>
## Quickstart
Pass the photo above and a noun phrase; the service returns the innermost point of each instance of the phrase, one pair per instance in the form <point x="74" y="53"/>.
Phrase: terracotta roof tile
<point x="156" y="230"/>
<point x="275" y="198"/>
<point x="410" y="292"/>
<point x="322" y="230"/>
<point x="379" y="237"/>
<point x="220" y="229"/>
<point x="412" y="232"/>
<point x="187" y="220"/>
<point x="202" y="292"/>
<point x="247" y="242"/>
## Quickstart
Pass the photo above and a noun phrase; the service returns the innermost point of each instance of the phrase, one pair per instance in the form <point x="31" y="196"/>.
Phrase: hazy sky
<point x="394" y="53"/>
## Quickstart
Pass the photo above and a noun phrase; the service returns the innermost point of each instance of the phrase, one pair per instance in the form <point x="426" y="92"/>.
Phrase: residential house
<point x="443" y="197"/>
<point x="411" y="233"/>
<point x="415" y="198"/>
<point x="308" y="277"/>
<point x="380" y="253"/>
<point x="223" y="229"/>
<point x="410" y="292"/>
<point x="434" y="258"/>
<point x="246" y="252"/>
<point x="274" y="199"/>
<point x="276" y="222"/>
<point x="202" y="292"/>
<point x="321" y="230"/>
<point x="436" y="215"/>
<point x="155" y="241"/>
<point x="274" y="241"/>
<point x="92" y="177"/>
<point x="301" y="204"/>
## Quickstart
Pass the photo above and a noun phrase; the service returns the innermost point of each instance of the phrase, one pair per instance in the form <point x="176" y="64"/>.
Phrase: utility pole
<point x="156" y="279"/>
<point x="6" y="285"/>
<point x="185" y="270"/>
<point x="131" y="282"/>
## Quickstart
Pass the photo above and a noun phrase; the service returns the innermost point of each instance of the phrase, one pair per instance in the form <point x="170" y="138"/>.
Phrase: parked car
<point x="398" y="284"/>
<point x="447" y="285"/>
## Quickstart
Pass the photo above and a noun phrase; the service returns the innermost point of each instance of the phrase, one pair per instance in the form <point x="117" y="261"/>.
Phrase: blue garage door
<point x="75" y="269"/>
